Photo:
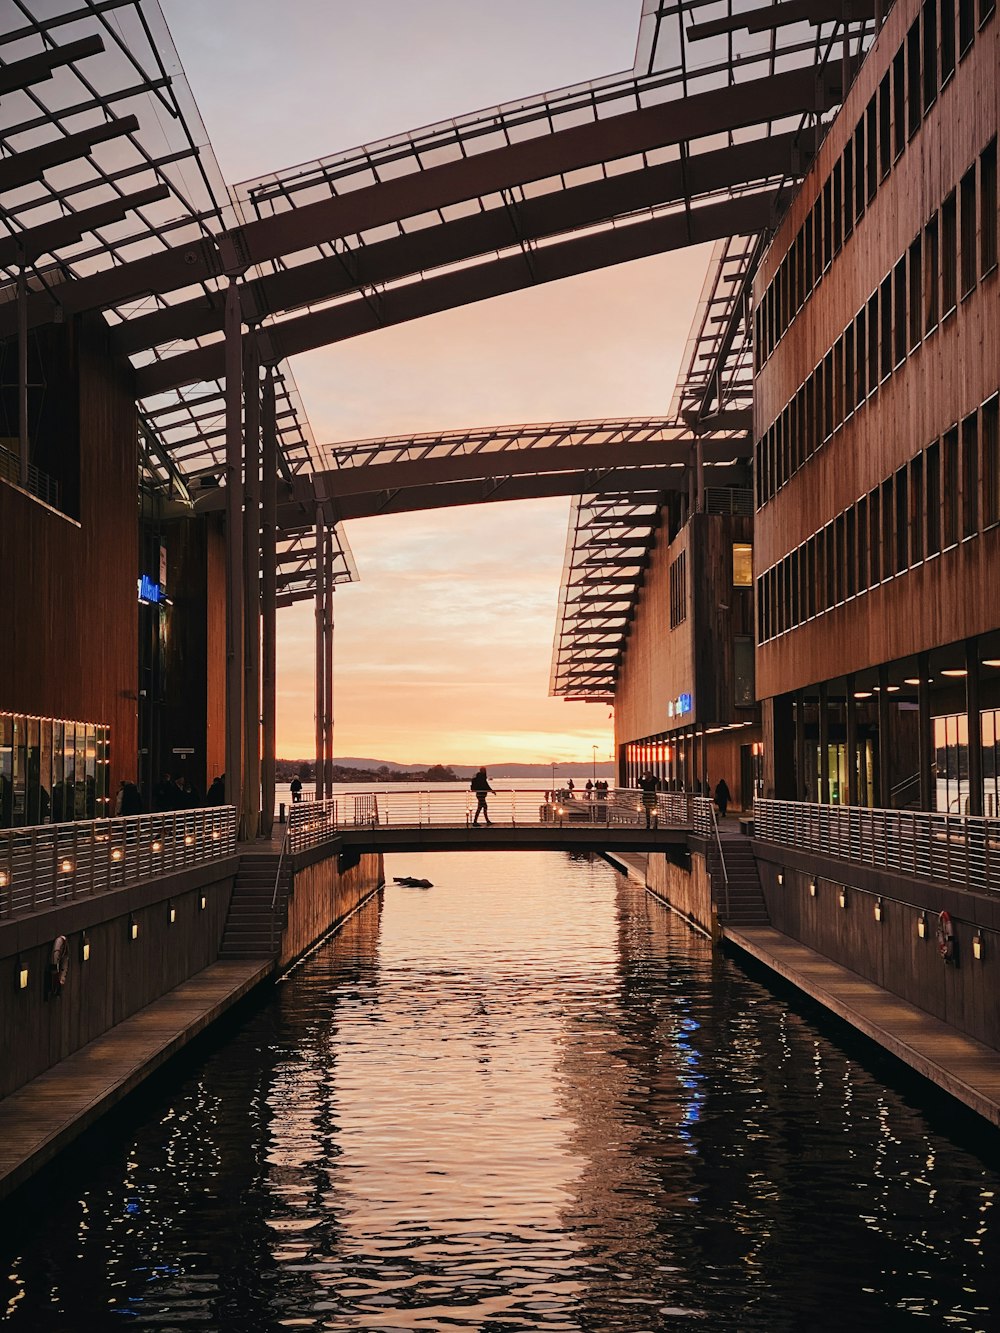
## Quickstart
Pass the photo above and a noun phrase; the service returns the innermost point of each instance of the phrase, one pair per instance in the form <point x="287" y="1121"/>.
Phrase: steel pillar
<point x="328" y="663"/>
<point x="24" y="446"/>
<point x="320" y="652"/>
<point x="234" y="546"/>
<point x="269" y="600"/>
<point x="250" y="814"/>
<point x="801" y="794"/>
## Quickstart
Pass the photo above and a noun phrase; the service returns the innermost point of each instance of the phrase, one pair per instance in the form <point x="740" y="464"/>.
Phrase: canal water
<point x="528" y="1098"/>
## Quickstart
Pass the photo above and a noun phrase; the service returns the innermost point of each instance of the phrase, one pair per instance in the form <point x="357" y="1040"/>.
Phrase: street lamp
<point x="553" y="765"/>
<point x="594" y="773"/>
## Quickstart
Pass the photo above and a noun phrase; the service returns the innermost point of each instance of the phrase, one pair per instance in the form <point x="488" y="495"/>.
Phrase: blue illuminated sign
<point x="679" y="706"/>
<point x="149" y="591"/>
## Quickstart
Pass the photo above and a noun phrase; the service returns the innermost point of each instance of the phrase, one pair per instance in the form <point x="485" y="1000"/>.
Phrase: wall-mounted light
<point x="84" y="948"/>
<point x="878" y="909"/>
<point x="842" y="896"/>
<point x="922" y="925"/>
<point x="66" y="866"/>
<point x="189" y="840"/>
<point x="133" y="927"/>
<point x="156" y="845"/>
<point x="116" y="854"/>
<point x="203" y="902"/>
<point x="4" y="879"/>
<point x="172" y="913"/>
<point x="781" y="878"/>
<point x="977" y="945"/>
<point x="812" y="888"/>
<point x="22" y="974"/>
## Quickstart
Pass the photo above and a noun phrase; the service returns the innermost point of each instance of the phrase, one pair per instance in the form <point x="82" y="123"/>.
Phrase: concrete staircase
<point x="253" y="927"/>
<point x="745" y="905"/>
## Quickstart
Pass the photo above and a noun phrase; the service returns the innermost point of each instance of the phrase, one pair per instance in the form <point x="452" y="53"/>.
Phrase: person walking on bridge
<point x="647" y="785"/>
<point x="722" y="796"/>
<point x="480" y="784"/>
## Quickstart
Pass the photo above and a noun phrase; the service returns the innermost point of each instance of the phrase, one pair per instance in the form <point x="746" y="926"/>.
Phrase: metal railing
<point x="55" y="863"/>
<point x="449" y="807"/>
<point x="705" y="822"/>
<point x="39" y="484"/>
<point x="959" y="850"/>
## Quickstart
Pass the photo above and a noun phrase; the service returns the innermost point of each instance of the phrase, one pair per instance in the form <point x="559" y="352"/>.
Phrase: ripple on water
<point x="527" y="1099"/>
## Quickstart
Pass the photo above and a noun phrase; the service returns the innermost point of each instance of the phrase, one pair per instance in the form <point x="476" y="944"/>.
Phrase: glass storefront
<point x="951" y="760"/>
<point x="52" y="771"/>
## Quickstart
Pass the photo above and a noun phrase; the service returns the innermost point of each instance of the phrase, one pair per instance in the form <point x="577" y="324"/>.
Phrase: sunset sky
<point x="443" y="647"/>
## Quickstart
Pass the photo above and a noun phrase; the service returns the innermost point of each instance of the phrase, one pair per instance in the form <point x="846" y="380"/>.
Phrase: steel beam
<point x="23" y="168"/>
<point x="36" y="69"/>
<point x="328" y="578"/>
<point x="48" y="237"/>
<point x="757" y="101"/>
<point x="467" y="238"/>
<point x="320" y="612"/>
<point x="750" y="213"/>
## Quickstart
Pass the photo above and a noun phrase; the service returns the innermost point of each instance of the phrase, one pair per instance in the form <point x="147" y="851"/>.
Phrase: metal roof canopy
<point x="104" y="161"/>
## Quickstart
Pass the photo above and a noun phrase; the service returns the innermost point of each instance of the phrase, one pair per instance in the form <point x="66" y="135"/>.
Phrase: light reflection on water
<point x="528" y="1098"/>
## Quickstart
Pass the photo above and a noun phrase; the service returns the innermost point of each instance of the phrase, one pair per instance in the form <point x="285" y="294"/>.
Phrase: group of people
<point x="650" y="784"/>
<point x="172" y="792"/>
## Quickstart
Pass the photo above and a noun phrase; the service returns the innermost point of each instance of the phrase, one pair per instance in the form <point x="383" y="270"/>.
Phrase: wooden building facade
<point x="877" y="435"/>
<point x="684" y="704"/>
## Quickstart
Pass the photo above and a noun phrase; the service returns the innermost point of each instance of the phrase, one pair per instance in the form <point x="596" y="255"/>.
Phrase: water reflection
<point x="527" y="1099"/>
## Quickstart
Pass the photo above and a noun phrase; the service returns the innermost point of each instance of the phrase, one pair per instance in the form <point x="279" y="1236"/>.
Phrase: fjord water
<point x="528" y="1098"/>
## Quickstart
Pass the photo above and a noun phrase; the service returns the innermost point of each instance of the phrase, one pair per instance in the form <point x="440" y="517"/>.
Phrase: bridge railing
<point x="960" y="850"/>
<point x="49" y="864"/>
<point x="310" y="823"/>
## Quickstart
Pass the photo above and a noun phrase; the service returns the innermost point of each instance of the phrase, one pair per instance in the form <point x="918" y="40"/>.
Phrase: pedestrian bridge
<point x="443" y="819"/>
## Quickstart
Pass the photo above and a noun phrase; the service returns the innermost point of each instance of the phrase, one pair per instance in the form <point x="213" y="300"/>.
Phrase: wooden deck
<point x="963" y="1067"/>
<point x="40" y="1119"/>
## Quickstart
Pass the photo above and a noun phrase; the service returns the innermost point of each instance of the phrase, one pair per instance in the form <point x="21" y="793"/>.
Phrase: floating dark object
<point x="408" y="882"/>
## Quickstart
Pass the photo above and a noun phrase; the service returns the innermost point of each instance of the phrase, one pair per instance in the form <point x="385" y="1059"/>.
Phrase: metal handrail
<point x="277" y="877"/>
<point x="443" y="806"/>
<point x="722" y="857"/>
<point x="959" y="850"/>
<point x="48" y="864"/>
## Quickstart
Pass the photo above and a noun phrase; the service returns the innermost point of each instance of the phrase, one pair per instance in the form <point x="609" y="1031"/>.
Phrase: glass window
<point x="6" y="770"/>
<point x="743" y="693"/>
<point x="33" y="763"/>
<point x="742" y="565"/>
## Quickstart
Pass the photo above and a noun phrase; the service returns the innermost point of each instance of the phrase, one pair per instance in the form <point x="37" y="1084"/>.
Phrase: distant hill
<point x="504" y="770"/>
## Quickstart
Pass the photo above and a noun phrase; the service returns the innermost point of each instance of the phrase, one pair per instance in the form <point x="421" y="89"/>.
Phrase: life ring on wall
<point x="58" y="965"/>
<point x="946" y="937"/>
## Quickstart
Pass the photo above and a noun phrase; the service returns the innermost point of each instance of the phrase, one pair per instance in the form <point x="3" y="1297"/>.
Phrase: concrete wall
<point x="890" y="952"/>
<point x="321" y="896"/>
<point x="688" y="891"/>
<point x="121" y="976"/>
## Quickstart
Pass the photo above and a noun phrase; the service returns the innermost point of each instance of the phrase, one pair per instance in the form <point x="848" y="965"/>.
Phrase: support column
<point x="251" y="591"/>
<point x="800" y="746"/>
<point x="699" y="454"/>
<point x="975" y="725"/>
<point x="704" y="761"/>
<point x="824" y="744"/>
<point x="328" y="665"/>
<point x="925" y="739"/>
<point x="234" y="546"/>
<point x="320" y="651"/>
<point x="851" y="749"/>
<point x="884" y="739"/>
<point x="24" y="445"/>
<point x="269" y="600"/>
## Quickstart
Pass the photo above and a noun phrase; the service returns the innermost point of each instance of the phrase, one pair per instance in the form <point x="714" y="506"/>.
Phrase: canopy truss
<point x="104" y="164"/>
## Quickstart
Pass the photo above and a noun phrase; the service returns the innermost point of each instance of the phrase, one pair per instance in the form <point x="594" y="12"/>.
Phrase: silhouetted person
<point x="216" y="794"/>
<point x="647" y="785"/>
<point x="165" y="793"/>
<point x="571" y="787"/>
<point x="131" y="800"/>
<point x="722" y="796"/>
<point x="295" y="787"/>
<point x="589" y="789"/>
<point x="480" y="784"/>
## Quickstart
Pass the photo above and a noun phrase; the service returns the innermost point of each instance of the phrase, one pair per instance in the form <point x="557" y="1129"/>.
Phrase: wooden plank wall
<point x="68" y="606"/>
<point x="953" y="370"/>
